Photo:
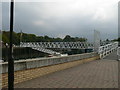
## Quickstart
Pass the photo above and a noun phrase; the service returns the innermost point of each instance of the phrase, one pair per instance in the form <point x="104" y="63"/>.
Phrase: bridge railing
<point x="118" y="53"/>
<point x="107" y="49"/>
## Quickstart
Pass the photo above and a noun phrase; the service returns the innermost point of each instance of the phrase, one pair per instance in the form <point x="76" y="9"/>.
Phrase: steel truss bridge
<point x="70" y="45"/>
<point x="45" y="47"/>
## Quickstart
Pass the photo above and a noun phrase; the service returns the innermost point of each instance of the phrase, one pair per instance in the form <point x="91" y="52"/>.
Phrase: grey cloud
<point x="53" y="24"/>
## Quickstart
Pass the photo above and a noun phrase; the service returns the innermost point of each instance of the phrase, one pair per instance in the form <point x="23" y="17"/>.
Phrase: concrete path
<point x="95" y="74"/>
<point x="112" y="56"/>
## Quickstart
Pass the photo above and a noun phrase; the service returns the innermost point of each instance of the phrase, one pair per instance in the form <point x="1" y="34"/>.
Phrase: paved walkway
<point x="95" y="74"/>
<point x="112" y="56"/>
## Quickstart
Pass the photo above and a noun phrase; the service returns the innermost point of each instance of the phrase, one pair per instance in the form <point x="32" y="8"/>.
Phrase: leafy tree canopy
<point x="24" y="37"/>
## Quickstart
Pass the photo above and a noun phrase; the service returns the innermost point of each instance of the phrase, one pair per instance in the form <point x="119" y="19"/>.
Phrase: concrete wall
<point x="29" y="69"/>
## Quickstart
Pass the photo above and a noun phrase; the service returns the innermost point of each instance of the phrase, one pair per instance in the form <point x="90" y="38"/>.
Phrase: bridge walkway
<point x="96" y="74"/>
<point x="112" y="56"/>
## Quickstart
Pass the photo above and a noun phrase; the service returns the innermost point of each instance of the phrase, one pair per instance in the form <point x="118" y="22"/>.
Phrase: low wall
<point x="29" y="69"/>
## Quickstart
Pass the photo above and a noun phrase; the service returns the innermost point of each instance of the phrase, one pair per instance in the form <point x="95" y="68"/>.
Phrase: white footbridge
<point x="108" y="49"/>
<point x="46" y="46"/>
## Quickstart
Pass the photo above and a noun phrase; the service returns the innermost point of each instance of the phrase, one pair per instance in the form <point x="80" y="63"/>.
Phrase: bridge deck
<point x="95" y="74"/>
<point x="112" y="56"/>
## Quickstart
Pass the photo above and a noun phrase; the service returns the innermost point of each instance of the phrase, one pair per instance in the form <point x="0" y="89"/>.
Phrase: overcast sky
<point x="69" y="17"/>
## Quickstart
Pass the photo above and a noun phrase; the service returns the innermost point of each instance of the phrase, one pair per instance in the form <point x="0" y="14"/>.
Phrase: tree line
<point x="25" y="37"/>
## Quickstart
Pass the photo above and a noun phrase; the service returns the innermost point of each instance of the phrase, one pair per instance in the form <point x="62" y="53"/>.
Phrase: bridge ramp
<point x="112" y="56"/>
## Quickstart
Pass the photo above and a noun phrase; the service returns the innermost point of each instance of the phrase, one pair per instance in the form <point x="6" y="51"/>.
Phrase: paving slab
<point x="95" y="74"/>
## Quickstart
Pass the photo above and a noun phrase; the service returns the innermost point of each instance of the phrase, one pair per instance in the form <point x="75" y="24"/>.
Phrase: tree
<point x="67" y="38"/>
<point x="33" y="38"/>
